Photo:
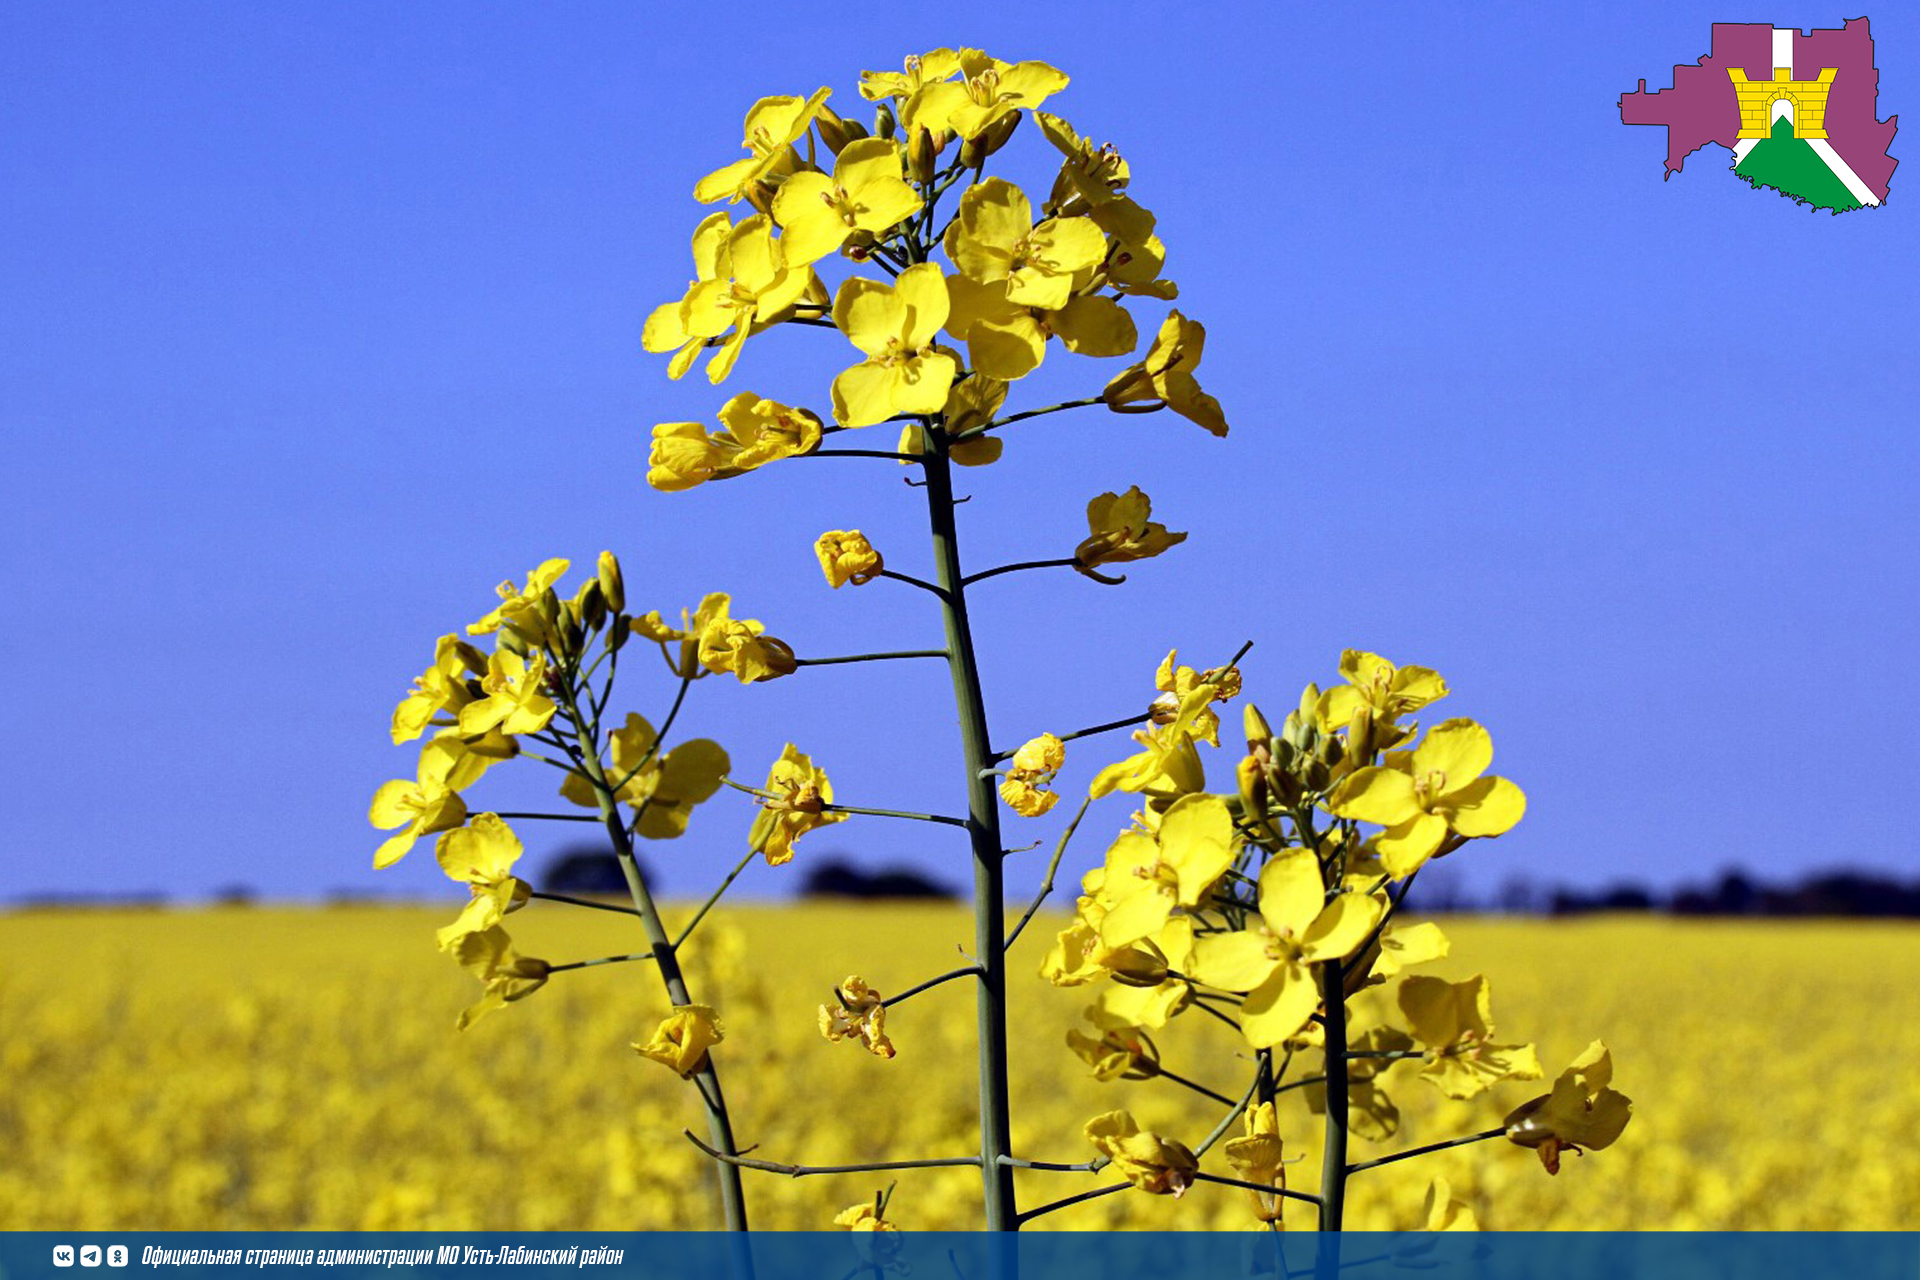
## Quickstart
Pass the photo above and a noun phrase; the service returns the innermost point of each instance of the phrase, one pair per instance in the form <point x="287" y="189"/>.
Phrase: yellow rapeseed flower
<point x="758" y="431"/>
<point x="662" y="786"/>
<point x="773" y="125"/>
<point x="1257" y="1158"/>
<point x="513" y="697"/>
<point x="520" y="605"/>
<point x="847" y="557"/>
<point x="895" y="327"/>
<point x="857" y="1013"/>
<point x="505" y="975"/>
<point x="800" y="794"/>
<point x="441" y="687"/>
<point x="1166" y="378"/>
<point x="1582" y="1113"/>
<point x="1441" y="786"/>
<point x="713" y="640"/>
<point x="682" y="1039"/>
<point x="481" y="855"/>
<point x="751" y="284"/>
<point x="1272" y="958"/>
<point x="1159" y="1166"/>
<point x="1028" y="772"/>
<point x="1454" y="1020"/>
<point x="988" y="90"/>
<point x="817" y="213"/>
<point x="993" y="240"/>
<point x="1119" y="532"/>
<point x="1149" y="875"/>
<point x="427" y="804"/>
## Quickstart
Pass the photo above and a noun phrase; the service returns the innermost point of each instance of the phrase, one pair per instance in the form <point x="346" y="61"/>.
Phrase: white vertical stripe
<point x="1783" y="48"/>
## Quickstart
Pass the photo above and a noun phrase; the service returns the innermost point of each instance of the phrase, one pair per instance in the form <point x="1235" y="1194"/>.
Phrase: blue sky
<point x="323" y="319"/>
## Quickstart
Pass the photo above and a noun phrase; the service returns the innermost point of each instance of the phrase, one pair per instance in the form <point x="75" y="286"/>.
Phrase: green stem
<point x="719" y="1125"/>
<point x="733" y="1160"/>
<point x="1108" y="727"/>
<point x="582" y="902"/>
<point x="1054" y="1206"/>
<point x="1046" y="885"/>
<point x="1164" y="1074"/>
<point x="983" y="826"/>
<point x="1015" y="568"/>
<point x="714" y="897"/>
<point x="550" y="817"/>
<point x="588" y="964"/>
<point x="870" y="657"/>
<point x="1011" y="418"/>
<point x="1501" y="1132"/>
<point x="966" y="971"/>
<point x="1333" y="1160"/>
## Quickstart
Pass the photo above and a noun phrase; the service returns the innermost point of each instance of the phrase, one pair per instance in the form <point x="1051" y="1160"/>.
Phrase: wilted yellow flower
<point x="800" y="796"/>
<point x="773" y="125"/>
<point x="758" y="431"/>
<point x="1272" y="958"/>
<point x="1582" y="1113"/>
<point x="739" y="645"/>
<point x="1168" y="764"/>
<point x="441" y="687"/>
<point x="1440" y="788"/>
<point x="1176" y="683"/>
<point x="682" y="1039"/>
<point x="857" y="1013"/>
<point x="993" y="240"/>
<point x="1454" y="1020"/>
<point x="513" y="698"/>
<point x="988" y="90"/>
<point x="427" y="804"/>
<point x="1166" y="376"/>
<point x="1028" y="772"/>
<point x="520" y="607"/>
<point x="846" y="556"/>
<point x="505" y="975"/>
<point x="664" y="787"/>
<point x="866" y="193"/>
<point x="895" y="326"/>
<point x="1257" y="1158"/>
<point x="1120" y="532"/>
<point x="481" y="856"/>
<point x="1116" y="1054"/>
<point x="1159" y="1166"/>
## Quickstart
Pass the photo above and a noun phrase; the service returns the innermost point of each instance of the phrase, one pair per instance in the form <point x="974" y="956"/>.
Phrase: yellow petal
<point x="1292" y="893"/>
<point x="1347" y="922"/>
<point x="1459" y="748"/>
<point x="1487" y="806"/>
<point x="1280" y="1006"/>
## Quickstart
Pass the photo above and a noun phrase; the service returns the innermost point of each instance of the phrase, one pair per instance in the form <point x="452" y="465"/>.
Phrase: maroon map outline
<point x="1701" y="106"/>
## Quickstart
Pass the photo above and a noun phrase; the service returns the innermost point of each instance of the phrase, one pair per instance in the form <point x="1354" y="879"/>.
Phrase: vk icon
<point x="89" y="1255"/>
<point x="63" y="1255"/>
<point x="116" y="1255"/>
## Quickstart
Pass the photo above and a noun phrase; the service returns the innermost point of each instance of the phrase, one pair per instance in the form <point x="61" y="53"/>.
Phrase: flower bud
<point x="883" y="121"/>
<point x="1259" y="732"/>
<point x="1253" y="789"/>
<point x="590" y="605"/>
<point x="975" y="151"/>
<point x="612" y="586"/>
<point x="616" y="637"/>
<point x="512" y="642"/>
<point x="1360" y="733"/>
<point x="759" y="194"/>
<point x="921" y="155"/>
<point x="833" y="130"/>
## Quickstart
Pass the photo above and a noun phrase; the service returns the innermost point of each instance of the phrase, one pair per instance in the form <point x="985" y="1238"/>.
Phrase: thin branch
<point x="584" y="902"/>
<point x="1049" y="1166"/>
<point x="966" y="971"/>
<point x="896" y="813"/>
<point x="653" y="748"/>
<point x="1012" y="418"/>
<point x="912" y="581"/>
<point x="551" y="817"/>
<point x="1046" y="886"/>
<point x="1056" y="1205"/>
<point x="862" y="453"/>
<point x="984" y="574"/>
<point x="1204" y="1007"/>
<point x="1386" y="1053"/>
<point x="1164" y="1074"/>
<point x="808" y="1170"/>
<point x="1109" y="727"/>
<point x="1261" y="1187"/>
<point x="714" y="897"/>
<point x="1226" y="1121"/>
<point x="1501" y="1132"/>
<point x="870" y="657"/>
<point x="586" y="964"/>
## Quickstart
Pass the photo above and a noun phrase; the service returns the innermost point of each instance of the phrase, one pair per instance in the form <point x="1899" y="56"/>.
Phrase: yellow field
<point x="299" y="1069"/>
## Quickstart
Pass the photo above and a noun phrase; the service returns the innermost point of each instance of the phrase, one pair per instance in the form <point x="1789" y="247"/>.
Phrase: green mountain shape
<point x="1795" y="170"/>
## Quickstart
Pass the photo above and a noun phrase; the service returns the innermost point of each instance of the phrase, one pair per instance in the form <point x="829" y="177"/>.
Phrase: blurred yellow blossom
<point x="682" y="1039"/>
<point x="857" y="1013"/>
